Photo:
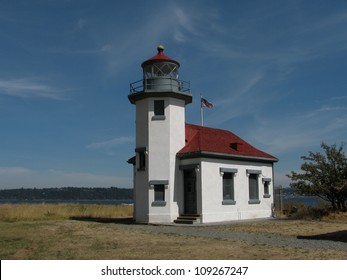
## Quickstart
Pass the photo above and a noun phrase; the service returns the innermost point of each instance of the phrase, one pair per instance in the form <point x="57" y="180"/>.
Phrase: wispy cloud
<point x="177" y="23"/>
<point x="109" y="146"/>
<point x="30" y="88"/>
<point x="185" y="25"/>
<point x="339" y="97"/>
<point x="302" y="131"/>
<point x="14" y="171"/>
<point x="81" y="23"/>
<point x="239" y="101"/>
<point x="252" y="40"/>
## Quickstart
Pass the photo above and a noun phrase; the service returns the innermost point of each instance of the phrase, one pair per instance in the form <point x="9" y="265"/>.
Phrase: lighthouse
<point x="160" y="98"/>
<point x="186" y="173"/>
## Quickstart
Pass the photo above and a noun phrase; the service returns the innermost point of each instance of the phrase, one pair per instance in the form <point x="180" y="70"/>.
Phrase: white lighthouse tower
<point x="160" y="99"/>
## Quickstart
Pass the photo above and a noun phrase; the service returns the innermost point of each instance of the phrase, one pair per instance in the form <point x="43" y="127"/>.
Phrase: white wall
<point x="164" y="138"/>
<point x="212" y="208"/>
<point x="210" y="190"/>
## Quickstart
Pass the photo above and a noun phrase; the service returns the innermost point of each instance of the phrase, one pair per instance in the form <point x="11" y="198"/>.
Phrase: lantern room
<point x="160" y="74"/>
<point x="160" y="66"/>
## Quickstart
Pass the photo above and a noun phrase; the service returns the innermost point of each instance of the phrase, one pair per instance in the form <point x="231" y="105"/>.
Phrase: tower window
<point x="141" y="158"/>
<point x="159" y="192"/>
<point x="142" y="161"/>
<point x="159" y="196"/>
<point x="159" y="108"/>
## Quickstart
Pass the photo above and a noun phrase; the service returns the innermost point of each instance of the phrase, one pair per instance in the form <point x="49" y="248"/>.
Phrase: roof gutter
<point x="200" y="154"/>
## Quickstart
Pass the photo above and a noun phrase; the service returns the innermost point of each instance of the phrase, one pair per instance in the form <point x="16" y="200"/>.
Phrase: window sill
<point x="159" y="203"/>
<point x="266" y="195"/>
<point x="158" y="118"/>
<point x="254" y="201"/>
<point x="228" y="202"/>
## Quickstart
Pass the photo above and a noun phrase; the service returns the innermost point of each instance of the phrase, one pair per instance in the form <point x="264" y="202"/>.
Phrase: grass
<point x="36" y="212"/>
<point x="49" y="231"/>
<point x="70" y="239"/>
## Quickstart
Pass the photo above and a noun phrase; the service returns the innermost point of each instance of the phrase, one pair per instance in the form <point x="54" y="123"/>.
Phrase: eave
<point x="151" y="94"/>
<point x="202" y="154"/>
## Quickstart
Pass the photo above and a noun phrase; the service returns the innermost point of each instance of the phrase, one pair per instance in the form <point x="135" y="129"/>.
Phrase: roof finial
<point x="160" y="48"/>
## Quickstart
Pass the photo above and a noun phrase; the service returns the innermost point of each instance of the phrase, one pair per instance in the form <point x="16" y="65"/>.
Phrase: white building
<point x="188" y="173"/>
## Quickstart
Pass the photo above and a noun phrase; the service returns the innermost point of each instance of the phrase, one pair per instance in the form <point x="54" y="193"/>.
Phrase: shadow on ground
<point x="126" y="221"/>
<point x="340" y="236"/>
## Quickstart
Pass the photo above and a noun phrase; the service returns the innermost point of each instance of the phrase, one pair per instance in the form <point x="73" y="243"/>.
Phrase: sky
<point x="275" y="72"/>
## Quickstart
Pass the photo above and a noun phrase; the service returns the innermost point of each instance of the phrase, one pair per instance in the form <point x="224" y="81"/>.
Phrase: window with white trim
<point x="228" y="175"/>
<point x="253" y="185"/>
<point x="253" y="188"/>
<point x="266" y="182"/>
<point x="158" y="187"/>
<point x="228" y="186"/>
<point x="159" y="192"/>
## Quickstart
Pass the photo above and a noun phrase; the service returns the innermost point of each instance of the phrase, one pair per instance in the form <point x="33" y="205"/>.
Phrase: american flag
<point x="205" y="103"/>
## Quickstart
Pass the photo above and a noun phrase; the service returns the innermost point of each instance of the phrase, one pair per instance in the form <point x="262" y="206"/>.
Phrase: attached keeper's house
<point x="186" y="173"/>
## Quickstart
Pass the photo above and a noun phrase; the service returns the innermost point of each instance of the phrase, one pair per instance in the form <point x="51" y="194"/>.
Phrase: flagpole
<point x="201" y="112"/>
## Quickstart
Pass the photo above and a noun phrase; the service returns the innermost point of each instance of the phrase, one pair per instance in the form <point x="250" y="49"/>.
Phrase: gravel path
<point x="255" y="238"/>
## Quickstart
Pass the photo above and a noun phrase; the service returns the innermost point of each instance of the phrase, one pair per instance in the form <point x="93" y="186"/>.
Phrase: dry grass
<point x="290" y="227"/>
<point x="35" y="212"/>
<point x="46" y="232"/>
<point x="69" y="239"/>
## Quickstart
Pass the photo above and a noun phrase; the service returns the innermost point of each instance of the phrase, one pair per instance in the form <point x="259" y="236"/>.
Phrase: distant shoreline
<point x="306" y="200"/>
<point x="69" y="201"/>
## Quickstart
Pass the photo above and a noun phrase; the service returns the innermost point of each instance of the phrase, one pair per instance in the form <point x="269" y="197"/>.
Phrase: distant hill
<point x="67" y="193"/>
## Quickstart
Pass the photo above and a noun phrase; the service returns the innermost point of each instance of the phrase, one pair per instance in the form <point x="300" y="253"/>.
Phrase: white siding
<point x="163" y="138"/>
<point x="213" y="210"/>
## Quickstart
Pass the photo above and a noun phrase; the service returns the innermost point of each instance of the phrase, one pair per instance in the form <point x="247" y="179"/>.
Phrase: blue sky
<point x="274" y="70"/>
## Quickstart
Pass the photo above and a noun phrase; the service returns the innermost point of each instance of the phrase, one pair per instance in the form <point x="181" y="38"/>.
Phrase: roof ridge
<point x="201" y="127"/>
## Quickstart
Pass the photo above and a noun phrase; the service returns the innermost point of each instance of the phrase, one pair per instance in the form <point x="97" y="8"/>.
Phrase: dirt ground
<point x="71" y="239"/>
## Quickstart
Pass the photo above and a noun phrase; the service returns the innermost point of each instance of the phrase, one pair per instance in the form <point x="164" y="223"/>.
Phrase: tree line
<point x="67" y="193"/>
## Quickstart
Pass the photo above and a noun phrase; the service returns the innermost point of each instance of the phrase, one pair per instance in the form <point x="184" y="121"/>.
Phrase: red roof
<point x="159" y="57"/>
<point x="217" y="142"/>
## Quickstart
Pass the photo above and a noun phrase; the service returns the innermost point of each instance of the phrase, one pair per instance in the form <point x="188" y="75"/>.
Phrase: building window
<point x="253" y="189"/>
<point x="159" y="187"/>
<point x="228" y="188"/>
<point x="228" y="185"/>
<point x="142" y="161"/>
<point x="159" y="193"/>
<point x="266" y="187"/>
<point x="141" y="158"/>
<point x="159" y="108"/>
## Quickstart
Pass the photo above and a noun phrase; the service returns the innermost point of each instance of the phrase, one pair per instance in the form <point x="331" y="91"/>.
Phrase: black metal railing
<point x="158" y="84"/>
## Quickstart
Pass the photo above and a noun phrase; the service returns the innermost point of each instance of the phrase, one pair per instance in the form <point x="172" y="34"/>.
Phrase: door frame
<point x="194" y="194"/>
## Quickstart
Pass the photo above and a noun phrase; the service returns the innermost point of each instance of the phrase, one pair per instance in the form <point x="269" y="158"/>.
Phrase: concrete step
<point x="187" y="219"/>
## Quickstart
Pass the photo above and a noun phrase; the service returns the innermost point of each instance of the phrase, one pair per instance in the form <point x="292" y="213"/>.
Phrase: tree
<point x="323" y="175"/>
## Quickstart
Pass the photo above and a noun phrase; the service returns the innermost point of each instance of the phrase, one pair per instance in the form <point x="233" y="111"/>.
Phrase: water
<point x="306" y="200"/>
<point x="76" y="201"/>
